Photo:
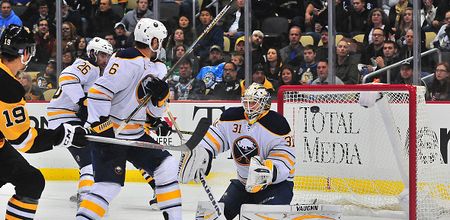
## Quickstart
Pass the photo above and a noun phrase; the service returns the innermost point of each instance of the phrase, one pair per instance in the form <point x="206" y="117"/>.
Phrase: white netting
<point x="346" y="156"/>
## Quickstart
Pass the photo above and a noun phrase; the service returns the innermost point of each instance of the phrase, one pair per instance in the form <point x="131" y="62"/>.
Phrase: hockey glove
<point x="103" y="128"/>
<point x="68" y="135"/>
<point x="192" y="163"/>
<point x="260" y="174"/>
<point x="160" y="126"/>
<point x="158" y="89"/>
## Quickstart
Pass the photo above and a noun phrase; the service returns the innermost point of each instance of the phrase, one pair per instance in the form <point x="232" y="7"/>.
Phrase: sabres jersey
<point x="268" y="138"/>
<point x="14" y="120"/>
<point x="118" y="92"/>
<point x="74" y="83"/>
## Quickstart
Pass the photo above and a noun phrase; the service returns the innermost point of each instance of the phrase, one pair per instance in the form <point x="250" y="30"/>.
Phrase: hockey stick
<point x="197" y="136"/>
<point x="177" y="129"/>
<point x="147" y="97"/>
<point x="211" y="198"/>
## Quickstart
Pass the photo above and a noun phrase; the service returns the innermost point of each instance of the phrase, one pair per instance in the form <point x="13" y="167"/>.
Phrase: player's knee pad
<point x="106" y="190"/>
<point x="30" y="183"/>
<point x="167" y="171"/>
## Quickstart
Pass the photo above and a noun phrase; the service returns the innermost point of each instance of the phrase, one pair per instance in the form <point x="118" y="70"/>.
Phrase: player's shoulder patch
<point x="275" y="123"/>
<point x="11" y="90"/>
<point x="129" y="53"/>
<point x="233" y="114"/>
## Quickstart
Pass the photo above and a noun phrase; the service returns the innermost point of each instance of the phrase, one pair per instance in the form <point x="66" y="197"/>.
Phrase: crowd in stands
<point x="289" y="42"/>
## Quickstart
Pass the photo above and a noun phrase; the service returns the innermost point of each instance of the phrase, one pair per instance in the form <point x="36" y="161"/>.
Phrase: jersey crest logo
<point x="244" y="148"/>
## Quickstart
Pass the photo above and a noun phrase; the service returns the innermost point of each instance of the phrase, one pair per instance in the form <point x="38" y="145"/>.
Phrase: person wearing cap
<point x="214" y="58"/>
<point x="257" y="50"/>
<point x="132" y="17"/>
<point x="121" y="35"/>
<point x="214" y="36"/>
<point x="103" y="20"/>
<point x="406" y="74"/>
<point x="258" y="76"/>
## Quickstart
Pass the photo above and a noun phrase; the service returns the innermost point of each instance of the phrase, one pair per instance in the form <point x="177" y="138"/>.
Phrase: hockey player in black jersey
<point x="17" y="48"/>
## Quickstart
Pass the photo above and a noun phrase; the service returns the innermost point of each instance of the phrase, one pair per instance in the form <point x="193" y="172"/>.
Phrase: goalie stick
<point x="197" y="136"/>
<point x="147" y="97"/>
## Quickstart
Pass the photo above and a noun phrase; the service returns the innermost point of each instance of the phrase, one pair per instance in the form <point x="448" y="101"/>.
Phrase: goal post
<point x="364" y="158"/>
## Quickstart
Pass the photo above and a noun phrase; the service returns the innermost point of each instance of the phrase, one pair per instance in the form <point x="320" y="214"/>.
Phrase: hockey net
<point x="347" y="154"/>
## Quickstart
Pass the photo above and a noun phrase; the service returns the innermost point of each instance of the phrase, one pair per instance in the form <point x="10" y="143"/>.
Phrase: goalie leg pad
<point x="193" y="162"/>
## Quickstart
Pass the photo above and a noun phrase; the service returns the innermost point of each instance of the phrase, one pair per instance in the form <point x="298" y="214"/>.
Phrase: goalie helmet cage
<point x="347" y="154"/>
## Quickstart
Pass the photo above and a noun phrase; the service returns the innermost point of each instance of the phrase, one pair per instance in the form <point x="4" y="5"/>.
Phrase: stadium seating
<point x="48" y="94"/>
<point x="429" y="37"/>
<point x="226" y="44"/>
<point x="307" y="40"/>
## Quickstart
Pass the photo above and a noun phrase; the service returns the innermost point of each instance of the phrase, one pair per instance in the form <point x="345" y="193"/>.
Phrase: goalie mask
<point x="97" y="45"/>
<point x="147" y="30"/>
<point x="256" y="102"/>
<point x="15" y="40"/>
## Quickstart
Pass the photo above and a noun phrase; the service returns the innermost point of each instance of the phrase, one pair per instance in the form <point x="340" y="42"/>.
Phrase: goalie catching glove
<point x="260" y="174"/>
<point x="368" y="99"/>
<point x="192" y="163"/>
<point x="69" y="135"/>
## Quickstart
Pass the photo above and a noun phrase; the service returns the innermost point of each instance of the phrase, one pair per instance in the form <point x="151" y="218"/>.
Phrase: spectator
<point x="373" y="50"/>
<point x="185" y="24"/>
<point x="258" y="76"/>
<point x="121" y="36"/>
<point x="32" y="92"/>
<point x="8" y="16"/>
<point x="32" y="16"/>
<point x="47" y="79"/>
<point x="81" y="48"/>
<point x="272" y="66"/>
<point x="308" y="69"/>
<point x="111" y="38"/>
<point x="69" y="36"/>
<point x="427" y="15"/>
<point x="377" y="19"/>
<point x="214" y="36"/>
<point x="103" y="20"/>
<point x="390" y="56"/>
<point x="45" y="43"/>
<point x="238" y="60"/>
<point x="442" y="39"/>
<point x="215" y="57"/>
<point x="292" y="54"/>
<point x="406" y="73"/>
<point x="288" y="76"/>
<point x="346" y="70"/>
<point x="406" y="22"/>
<point x="188" y="87"/>
<point x="442" y="8"/>
<point x="67" y="58"/>
<point x="229" y="88"/>
<point x="358" y="15"/>
<point x="322" y="75"/>
<point x="317" y="13"/>
<point x="239" y="46"/>
<point x="72" y="16"/>
<point x="396" y="11"/>
<point x="257" y="48"/>
<point x="322" y="50"/>
<point x="438" y="86"/>
<point x="132" y="17"/>
<point x="233" y="22"/>
<point x="177" y="38"/>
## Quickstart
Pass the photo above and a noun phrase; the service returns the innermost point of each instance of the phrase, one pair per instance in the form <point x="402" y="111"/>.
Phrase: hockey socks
<point x="169" y="199"/>
<point x="21" y="209"/>
<point x="86" y="180"/>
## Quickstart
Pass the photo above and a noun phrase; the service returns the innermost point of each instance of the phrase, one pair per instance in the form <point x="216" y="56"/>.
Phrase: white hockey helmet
<point x="147" y="29"/>
<point x="99" y="45"/>
<point x="256" y="101"/>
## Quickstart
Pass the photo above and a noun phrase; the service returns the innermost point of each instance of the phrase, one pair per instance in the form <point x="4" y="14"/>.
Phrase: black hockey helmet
<point x="15" y="40"/>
